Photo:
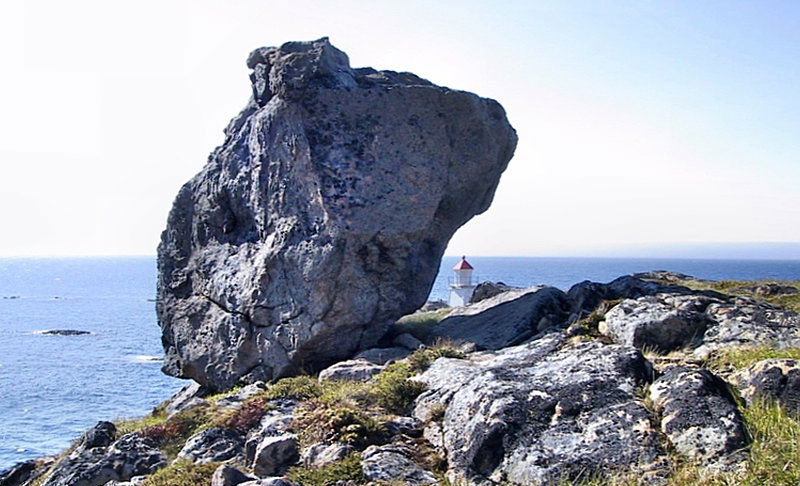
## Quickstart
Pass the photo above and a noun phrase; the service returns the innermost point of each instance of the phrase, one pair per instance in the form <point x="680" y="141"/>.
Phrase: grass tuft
<point x="741" y="357"/>
<point x="420" y="324"/>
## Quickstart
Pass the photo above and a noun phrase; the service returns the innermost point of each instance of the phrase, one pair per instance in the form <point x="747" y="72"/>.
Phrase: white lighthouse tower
<point x="462" y="285"/>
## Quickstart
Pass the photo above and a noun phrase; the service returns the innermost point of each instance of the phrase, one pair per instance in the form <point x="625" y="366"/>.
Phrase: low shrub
<point x="182" y="473"/>
<point x="172" y="434"/>
<point x="245" y="417"/>
<point x="347" y="470"/>
<point x="317" y="421"/>
<point x="393" y="391"/>
<point x="419" y="324"/>
<point x="299" y="387"/>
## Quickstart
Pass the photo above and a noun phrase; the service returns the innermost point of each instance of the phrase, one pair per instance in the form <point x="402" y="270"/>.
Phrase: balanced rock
<point x="323" y="216"/>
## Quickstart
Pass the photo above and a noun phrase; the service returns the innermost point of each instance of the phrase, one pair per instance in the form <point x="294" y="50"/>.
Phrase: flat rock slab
<point x="323" y="216"/>
<point x="506" y="319"/>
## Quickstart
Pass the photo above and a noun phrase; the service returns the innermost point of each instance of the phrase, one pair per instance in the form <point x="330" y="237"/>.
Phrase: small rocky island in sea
<point x="291" y="272"/>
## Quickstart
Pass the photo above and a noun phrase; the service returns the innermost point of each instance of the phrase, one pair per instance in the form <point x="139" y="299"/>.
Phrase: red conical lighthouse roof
<point x="463" y="264"/>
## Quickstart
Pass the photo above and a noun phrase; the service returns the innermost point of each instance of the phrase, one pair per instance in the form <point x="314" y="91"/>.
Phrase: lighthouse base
<point x="459" y="296"/>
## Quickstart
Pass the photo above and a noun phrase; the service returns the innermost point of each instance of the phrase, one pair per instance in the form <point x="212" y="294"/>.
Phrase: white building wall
<point x="459" y="297"/>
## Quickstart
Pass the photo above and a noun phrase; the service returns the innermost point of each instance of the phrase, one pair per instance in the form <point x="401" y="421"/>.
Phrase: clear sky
<point x="640" y="122"/>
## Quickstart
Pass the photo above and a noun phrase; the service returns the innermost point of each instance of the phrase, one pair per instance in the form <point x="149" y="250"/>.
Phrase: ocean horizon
<point x="55" y="387"/>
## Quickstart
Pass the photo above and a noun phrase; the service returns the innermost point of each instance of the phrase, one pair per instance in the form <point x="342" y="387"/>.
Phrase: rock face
<point x="539" y="413"/>
<point x="323" y="216"/>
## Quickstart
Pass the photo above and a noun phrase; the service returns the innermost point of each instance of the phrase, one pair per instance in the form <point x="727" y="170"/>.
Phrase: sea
<point x="54" y="387"/>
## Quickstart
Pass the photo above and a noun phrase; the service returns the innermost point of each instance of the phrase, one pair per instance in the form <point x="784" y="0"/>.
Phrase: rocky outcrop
<point x="769" y="289"/>
<point x="98" y="459"/>
<point x="771" y="379"/>
<point x="506" y="319"/>
<point x="541" y="412"/>
<point x="699" y="415"/>
<point x="323" y="216"/>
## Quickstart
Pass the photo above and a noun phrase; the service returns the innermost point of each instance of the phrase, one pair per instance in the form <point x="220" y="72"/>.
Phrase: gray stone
<point x="226" y="475"/>
<point x="769" y="289"/>
<point x="486" y="290"/>
<point x="393" y="463"/>
<point x="350" y="370"/>
<point x="660" y="323"/>
<point x="187" y="397"/>
<point x="433" y="305"/>
<point x="274" y="481"/>
<point x="586" y="296"/>
<point x="699" y="415"/>
<point x="275" y="454"/>
<point x="93" y="463"/>
<point x="542" y="412"/>
<point x="277" y="421"/>
<point x="323" y="216"/>
<point x="771" y="379"/>
<point x="407" y="341"/>
<point x="409" y="426"/>
<point x="213" y="445"/>
<point x="235" y="400"/>
<point x="18" y="474"/>
<point x="321" y="454"/>
<point x="382" y="356"/>
<point x="506" y="319"/>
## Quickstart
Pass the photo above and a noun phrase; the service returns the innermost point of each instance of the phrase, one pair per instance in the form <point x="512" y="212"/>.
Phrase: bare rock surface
<point x="662" y="322"/>
<point x="322" y="454"/>
<point x="351" y="370"/>
<point x="275" y="454"/>
<point x="699" y="415"/>
<point x="227" y="475"/>
<point x="216" y="444"/>
<point x="539" y="413"/>
<point x="323" y="216"/>
<point x="506" y="319"/>
<point x="381" y="356"/>
<point x="771" y="379"/>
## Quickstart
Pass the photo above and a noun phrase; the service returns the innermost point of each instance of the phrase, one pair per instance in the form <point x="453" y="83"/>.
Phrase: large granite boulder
<point x="545" y="412"/>
<point x="323" y="216"/>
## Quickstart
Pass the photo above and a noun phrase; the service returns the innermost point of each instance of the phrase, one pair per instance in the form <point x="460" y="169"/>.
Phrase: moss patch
<point x="419" y="324"/>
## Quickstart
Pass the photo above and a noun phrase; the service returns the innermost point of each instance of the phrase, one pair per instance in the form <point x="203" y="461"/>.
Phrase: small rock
<point x="64" y="332"/>
<point x="213" y="445"/>
<point x="350" y="370"/>
<point x="409" y="426"/>
<point x="433" y="305"/>
<point x="769" y="289"/>
<point x="774" y="379"/>
<point x="407" y="341"/>
<point x="275" y="481"/>
<point x="187" y="397"/>
<point x="383" y="355"/>
<point x="226" y="475"/>
<point x="275" y="454"/>
<point x="391" y="463"/>
<point x="699" y="415"/>
<point x="321" y="454"/>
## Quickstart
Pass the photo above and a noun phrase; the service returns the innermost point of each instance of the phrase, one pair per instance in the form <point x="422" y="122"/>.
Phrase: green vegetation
<point x="346" y="470"/>
<point x="588" y="327"/>
<point x="317" y="421"/>
<point x="742" y="357"/>
<point x="182" y="473"/>
<point x="420" y="324"/>
<point x="171" y="435"/>
<point x="134" y="425"/>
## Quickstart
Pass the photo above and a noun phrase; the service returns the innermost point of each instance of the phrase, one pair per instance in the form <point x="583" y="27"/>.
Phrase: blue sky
<point x="641" y="124"/>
